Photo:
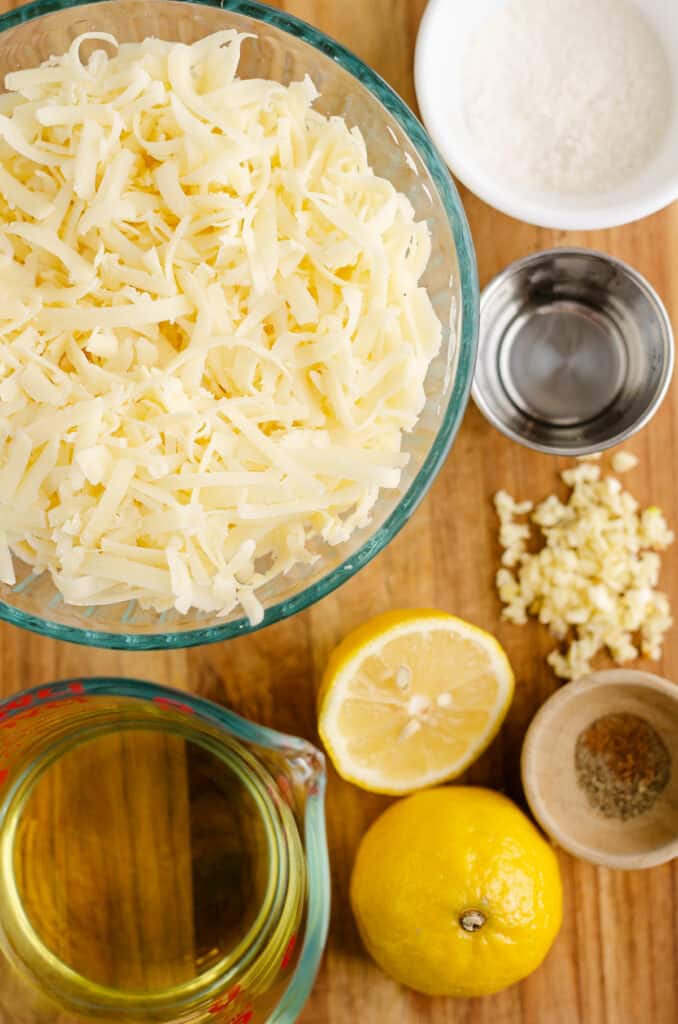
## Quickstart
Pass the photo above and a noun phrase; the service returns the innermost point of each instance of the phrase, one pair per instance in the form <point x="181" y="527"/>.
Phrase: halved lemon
<point x="411" y="698"/>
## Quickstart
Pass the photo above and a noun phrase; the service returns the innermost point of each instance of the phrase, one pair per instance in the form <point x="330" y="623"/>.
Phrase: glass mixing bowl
<point x="284" y="49"/>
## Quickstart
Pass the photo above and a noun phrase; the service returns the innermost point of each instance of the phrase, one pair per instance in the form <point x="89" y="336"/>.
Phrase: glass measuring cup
<point x="161" y="859"/>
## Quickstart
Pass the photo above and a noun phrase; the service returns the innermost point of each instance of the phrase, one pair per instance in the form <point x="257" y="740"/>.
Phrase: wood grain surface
<point x="616" y="959"/>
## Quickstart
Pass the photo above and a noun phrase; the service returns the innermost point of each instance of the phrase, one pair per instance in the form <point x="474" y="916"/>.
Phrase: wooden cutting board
<point x="616" y="959"/>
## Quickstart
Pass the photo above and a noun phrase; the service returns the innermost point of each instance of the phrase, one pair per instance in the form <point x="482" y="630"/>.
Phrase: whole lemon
<point x="456" y="893"/>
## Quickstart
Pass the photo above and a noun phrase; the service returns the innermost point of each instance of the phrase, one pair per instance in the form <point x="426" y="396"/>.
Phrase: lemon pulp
<point x="412" y="698"/>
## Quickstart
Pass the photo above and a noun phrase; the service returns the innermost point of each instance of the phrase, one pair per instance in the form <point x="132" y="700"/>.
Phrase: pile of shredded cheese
<point x="212" y="334"/>
<point x="593" y="583"/>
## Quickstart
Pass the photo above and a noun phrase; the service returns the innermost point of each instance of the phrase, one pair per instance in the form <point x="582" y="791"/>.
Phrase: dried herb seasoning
<point x="622" y="765"/>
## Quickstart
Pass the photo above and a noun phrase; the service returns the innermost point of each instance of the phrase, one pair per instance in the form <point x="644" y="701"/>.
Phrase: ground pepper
<point x="622" y="765"/>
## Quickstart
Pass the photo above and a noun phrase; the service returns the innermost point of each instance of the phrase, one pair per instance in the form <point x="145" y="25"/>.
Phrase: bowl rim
<point x="663" y="320"/>
<point x="467" y="342"/>
<point x="554" y="706"/>
<point x="503" y="196"/>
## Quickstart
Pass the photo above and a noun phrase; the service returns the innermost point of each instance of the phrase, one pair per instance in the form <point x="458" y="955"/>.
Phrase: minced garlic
<point x="622" y="462"/>
<point x="593" y="581"/>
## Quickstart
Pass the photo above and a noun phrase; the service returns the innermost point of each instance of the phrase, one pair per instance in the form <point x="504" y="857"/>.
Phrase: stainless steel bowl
<point x="576" y="351"/>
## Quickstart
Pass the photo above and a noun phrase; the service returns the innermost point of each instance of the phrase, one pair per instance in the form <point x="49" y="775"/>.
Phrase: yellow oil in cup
<point x="160" y="859"/>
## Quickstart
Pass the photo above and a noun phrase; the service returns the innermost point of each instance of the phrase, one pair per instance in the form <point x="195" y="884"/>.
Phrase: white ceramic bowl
<point x="445" y="31"/>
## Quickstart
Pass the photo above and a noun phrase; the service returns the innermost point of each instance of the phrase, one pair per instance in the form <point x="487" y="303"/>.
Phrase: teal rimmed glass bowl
<point x="284" y="49"/>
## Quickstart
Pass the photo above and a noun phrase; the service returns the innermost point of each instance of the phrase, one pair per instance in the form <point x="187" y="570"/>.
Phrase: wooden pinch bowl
<point x="549" y="778"/>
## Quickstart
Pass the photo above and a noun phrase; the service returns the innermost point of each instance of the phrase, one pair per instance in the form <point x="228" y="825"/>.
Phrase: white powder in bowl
<point x="567" y="95"/>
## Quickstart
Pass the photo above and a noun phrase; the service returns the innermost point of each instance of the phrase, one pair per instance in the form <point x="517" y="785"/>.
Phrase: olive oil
<point x="145" y="867"/>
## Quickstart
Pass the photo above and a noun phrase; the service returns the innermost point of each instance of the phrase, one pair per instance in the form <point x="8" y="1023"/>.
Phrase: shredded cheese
<point x="212" y="331"/>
